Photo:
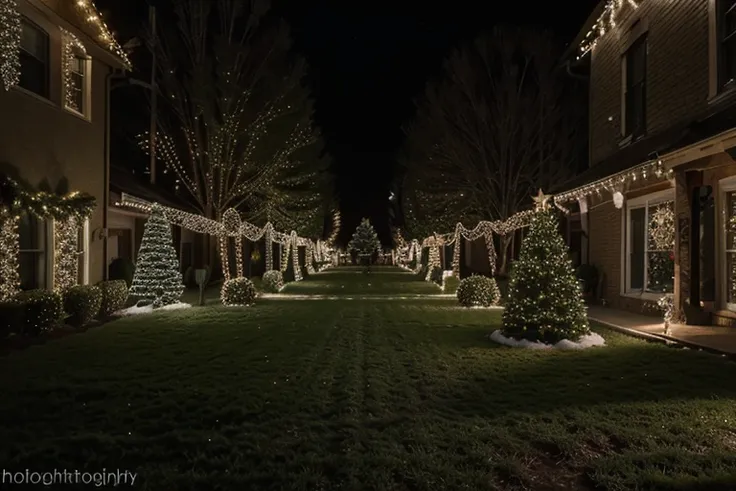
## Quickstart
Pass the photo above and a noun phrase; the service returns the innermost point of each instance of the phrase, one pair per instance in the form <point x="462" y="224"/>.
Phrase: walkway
<point x="716" y="339"/>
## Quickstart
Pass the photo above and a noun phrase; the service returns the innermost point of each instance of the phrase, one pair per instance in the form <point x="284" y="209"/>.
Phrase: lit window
<point x="76" y="83"/>
<point x="729" y="214"/>
<point x="650" y="259"/>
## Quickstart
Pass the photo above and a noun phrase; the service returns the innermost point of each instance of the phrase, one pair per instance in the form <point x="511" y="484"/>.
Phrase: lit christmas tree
<point x="157" y="276"/>
<point x="365" y="241"/>
<point x="545" y="302"/>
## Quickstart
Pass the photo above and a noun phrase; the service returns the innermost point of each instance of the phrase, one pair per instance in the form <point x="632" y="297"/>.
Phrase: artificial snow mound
<point x="147" y="309"/>
<point x="588" y="341"/>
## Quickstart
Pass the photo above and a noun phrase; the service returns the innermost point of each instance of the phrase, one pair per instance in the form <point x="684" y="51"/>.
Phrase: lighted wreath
<point x="662" y="228"/>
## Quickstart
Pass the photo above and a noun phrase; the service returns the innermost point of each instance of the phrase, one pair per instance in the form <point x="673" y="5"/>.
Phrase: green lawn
<point x="382" y="280"/>
<point x="365" y="394"/>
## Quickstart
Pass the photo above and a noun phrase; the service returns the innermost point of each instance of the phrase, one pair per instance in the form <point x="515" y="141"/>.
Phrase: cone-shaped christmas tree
<point x="365" y="240"/>
<point x="157" y="277"/>
<point x="545" y="302"/>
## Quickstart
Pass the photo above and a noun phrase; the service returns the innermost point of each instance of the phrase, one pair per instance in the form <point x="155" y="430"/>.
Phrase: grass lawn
<point x="382" y="280"/>
<point x="365" y="394"/>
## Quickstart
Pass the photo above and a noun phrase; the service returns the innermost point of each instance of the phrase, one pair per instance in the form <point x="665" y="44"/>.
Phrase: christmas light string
<point x="9" y="252"/>
<point x="10" y="34"/>
<point x="605" y="22"/>
<point x="70" y="44"/>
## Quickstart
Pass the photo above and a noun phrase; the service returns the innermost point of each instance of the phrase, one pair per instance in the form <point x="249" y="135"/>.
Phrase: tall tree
<point x="502" y="122"/>
<point x="233" y="110"/>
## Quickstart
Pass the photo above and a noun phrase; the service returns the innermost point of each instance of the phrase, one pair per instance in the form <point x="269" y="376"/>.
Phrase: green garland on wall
<point x="17" y="198"/>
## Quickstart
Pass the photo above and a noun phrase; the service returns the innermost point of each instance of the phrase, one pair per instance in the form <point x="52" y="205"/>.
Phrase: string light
<point x="230" y="226"/>
<point x="70" y="43"/>
<point x="662" y="227"/>
<point x="9" y="252"/>
<point x="10" y="34"/>
<point x="606" y="21"/>
<point x="89" y="12"/>
<point x="66" y="262"/>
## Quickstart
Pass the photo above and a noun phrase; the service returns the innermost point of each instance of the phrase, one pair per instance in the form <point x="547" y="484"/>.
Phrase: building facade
<point x="657" y="207"/>
<point x="54" y="124"/>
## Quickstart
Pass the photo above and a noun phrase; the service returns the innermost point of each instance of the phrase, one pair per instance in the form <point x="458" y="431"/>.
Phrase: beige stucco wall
<point x="46" y="142"/>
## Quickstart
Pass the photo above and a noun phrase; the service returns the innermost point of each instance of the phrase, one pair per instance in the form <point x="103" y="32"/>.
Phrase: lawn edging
<point x="662" y="338"/>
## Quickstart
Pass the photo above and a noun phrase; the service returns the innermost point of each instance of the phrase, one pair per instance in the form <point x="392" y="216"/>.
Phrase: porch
<point x="719" y="340"/>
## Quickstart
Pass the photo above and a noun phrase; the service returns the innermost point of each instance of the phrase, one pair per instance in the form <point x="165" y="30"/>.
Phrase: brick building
<point x="657" y="206"/>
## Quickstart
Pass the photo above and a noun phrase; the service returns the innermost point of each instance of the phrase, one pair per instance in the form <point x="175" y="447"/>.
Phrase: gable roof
<point x="84" y="16"/>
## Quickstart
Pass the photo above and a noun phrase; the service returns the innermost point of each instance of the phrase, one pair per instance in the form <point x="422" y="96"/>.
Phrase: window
<point x="636" y="89"/>
<point x="726" y="32"/>
<point x="32" y="259"/>
<point x="729" y="215"/>
<point x="34" y="59"/>
<point x="650" y="242"/>
<point x="75" y="84"/>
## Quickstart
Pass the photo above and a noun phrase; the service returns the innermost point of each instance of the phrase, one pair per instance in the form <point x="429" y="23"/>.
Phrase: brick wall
<point x="677" y="69"/>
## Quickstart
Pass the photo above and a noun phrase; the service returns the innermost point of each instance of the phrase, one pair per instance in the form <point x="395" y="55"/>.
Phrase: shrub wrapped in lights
<point x="114" y="295"/>
<point x="44" y="310"/>
<point x="273" y="281"/>
<point x="478" y="291"/>
<point x="238" y="292"/>
<point x="82" y="304"/>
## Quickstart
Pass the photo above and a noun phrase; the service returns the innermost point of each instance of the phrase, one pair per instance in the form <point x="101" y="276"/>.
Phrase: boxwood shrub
<point x="238" y="291"/>
<point x="477" y="290"/>
<point x="82" y="304"/>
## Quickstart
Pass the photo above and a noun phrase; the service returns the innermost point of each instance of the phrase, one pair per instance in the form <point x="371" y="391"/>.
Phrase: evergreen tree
<point x="545" y="301"/>
<point x="365" y="241"/>
<point x="157" y="277"/>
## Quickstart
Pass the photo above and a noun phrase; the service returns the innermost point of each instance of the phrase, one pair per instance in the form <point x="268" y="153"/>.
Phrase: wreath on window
<point x="662" y="228"/>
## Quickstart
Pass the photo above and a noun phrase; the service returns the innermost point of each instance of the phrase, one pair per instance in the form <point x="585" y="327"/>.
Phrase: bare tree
<point x="233" y="110"/>
<point x="501" y="123"/>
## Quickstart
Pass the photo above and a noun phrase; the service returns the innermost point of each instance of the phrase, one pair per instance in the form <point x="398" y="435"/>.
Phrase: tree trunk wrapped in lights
<point x="157" y="277"/>
<point x="545" y="301"/>
<point x="504" y="119"/>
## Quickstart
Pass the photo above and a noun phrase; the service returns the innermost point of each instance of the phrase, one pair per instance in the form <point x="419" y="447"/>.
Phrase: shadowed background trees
<point x="504" y="120"/>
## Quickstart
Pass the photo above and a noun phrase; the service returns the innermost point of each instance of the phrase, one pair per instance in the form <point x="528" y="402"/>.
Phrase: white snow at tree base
<point x="147" y="309"/>
<point x="588" y="341"/>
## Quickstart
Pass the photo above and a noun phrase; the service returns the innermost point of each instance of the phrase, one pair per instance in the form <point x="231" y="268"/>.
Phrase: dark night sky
<point x="368" y="60"/>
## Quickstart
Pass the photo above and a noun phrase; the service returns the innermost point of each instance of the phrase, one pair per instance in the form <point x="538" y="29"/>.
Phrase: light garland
<point x="90" y="13"/>
<point x="605" y="22"/>
<point x="66" y="261"/>
<point x="10" y="34"/>
<point x="9" y="251"/>
<point x="70" y="42"/>
<point x="653" y="169"/>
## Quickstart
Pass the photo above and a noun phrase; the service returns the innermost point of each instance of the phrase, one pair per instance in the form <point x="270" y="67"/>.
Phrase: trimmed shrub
<point x="436" y="275"/>
<point x="122" y="268"/>
<point x="12" y="317"/>
<point x="44" y="310"/>
<point x="451" y="284"/>
<point x="238" y="291"/>
<point x="82" y="304"/>
<point x="478" y="290"/>
<point x="273" y="281"/>
<point x="114" y="295"/>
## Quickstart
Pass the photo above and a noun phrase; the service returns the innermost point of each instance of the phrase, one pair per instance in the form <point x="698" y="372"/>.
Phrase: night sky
<point x="368" y="61"/>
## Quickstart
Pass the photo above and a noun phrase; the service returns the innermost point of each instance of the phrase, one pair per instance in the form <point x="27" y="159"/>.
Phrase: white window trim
<point x="84" y="252"/>
<point x="724" y="186"/>
<point x="642" y="201"/>
<point x="715" y="94"/>
<point x="86" y="113"/>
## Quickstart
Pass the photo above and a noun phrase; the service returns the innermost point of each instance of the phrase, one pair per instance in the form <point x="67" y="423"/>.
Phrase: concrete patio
<point x="720" y="340"/>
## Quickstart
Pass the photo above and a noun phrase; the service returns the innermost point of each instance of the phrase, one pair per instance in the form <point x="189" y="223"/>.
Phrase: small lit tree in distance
<point x="365" y="240"/>
<point x="157" y="277"/>
<point x="545" y="302"/>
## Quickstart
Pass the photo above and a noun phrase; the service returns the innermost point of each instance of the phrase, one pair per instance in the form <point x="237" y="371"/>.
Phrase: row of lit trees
<point x="503" y="121"/>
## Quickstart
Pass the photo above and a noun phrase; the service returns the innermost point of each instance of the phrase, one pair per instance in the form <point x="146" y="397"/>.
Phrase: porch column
<point x="583" y="202"/>
<point x="685" y="182"/>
